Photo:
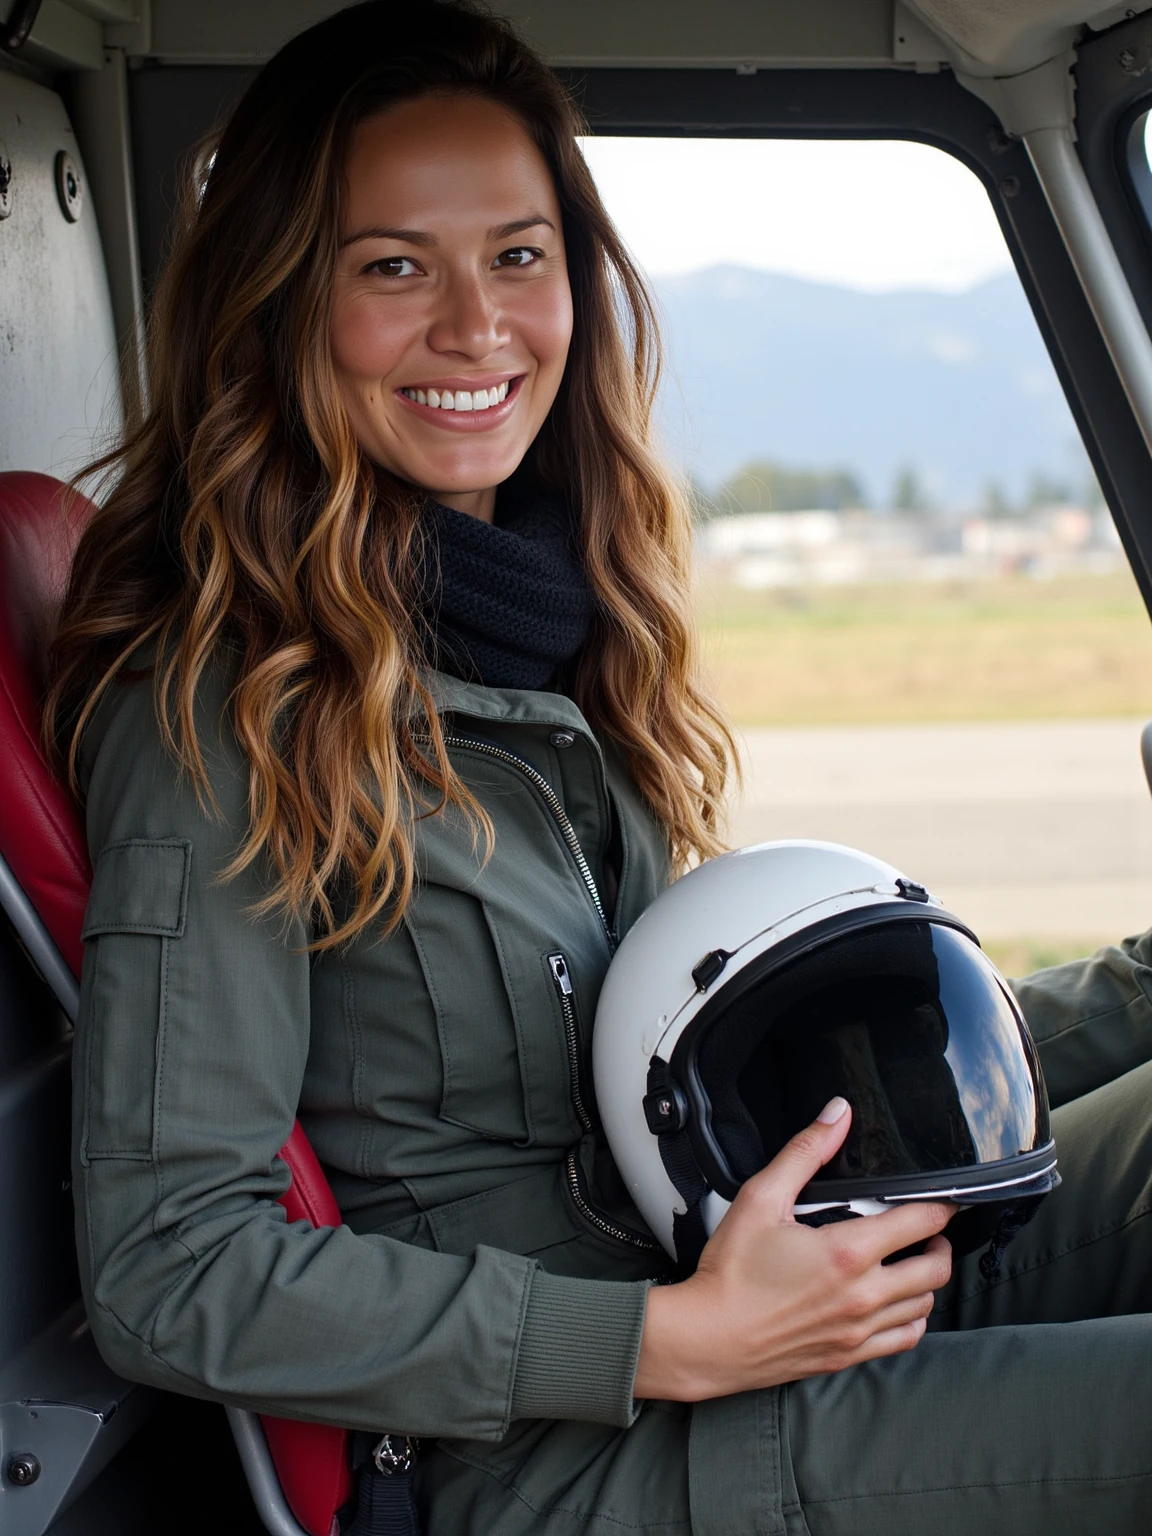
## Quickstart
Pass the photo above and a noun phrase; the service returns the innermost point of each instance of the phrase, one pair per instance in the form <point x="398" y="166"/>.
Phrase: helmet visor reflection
<point x="909" y="1022"/>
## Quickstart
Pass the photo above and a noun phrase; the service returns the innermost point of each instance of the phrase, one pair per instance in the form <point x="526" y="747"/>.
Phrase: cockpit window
<point x="914" y="599"/>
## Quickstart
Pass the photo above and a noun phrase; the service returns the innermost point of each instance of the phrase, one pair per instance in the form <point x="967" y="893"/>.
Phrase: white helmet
<point x="770" y="979"/>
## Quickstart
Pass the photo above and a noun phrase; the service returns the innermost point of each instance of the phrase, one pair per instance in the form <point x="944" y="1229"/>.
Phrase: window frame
<point x="173" y="106"/>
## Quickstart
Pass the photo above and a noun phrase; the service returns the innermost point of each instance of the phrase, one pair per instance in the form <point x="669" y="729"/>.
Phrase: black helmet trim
<point x="985" y="1183"/>
<point x="683" y="1072"/>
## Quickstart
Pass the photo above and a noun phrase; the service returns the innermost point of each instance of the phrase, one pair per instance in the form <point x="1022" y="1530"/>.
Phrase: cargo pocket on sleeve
<point x="136" y="910"/>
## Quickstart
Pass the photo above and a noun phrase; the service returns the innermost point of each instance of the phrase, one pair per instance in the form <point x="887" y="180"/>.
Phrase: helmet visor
<point x="909" y="1022"/>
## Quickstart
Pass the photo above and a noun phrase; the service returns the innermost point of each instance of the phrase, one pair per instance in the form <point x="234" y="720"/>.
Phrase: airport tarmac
<point x="1039" y="828"/>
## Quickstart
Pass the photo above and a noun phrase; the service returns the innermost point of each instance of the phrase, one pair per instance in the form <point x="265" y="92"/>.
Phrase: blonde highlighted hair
<point x="243" y="513"/>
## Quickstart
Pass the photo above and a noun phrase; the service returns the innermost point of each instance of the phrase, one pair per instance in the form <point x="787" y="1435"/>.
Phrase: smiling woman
<point x="438" y="325"/>
<point x="382" y="696"/>
<point x="445" y="237"/>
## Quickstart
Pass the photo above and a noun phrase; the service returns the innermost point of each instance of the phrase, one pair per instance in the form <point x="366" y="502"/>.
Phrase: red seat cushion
<point x="41" y="833"/>
<point x="311" y="1460"/>
<point x="42" y="838"/>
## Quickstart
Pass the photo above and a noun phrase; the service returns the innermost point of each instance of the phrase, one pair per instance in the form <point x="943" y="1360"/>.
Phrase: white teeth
<point x="460" y="399"/>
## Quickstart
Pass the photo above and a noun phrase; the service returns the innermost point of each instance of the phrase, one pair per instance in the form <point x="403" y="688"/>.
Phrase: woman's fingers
<point x="773" y="1300"/>
<point x="909" y="1309"/>
<point x="926" y="1271"/>
<point x="892" y="1341"/>
<point x="774" y="1189"/>
<point x="862" y="1261"/>
<point x="901" y="1227"/>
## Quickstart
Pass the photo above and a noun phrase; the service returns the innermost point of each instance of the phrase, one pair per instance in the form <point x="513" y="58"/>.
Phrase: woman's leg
<point x="1019" y="1431"/>
<point x="1026" y="1410"/>
<point x="1088" y="1251"/>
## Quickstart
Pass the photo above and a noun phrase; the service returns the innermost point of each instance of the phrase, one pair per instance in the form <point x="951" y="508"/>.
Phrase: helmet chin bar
<point x="1011" y="1195"/>
<point x="714" y="1208"/>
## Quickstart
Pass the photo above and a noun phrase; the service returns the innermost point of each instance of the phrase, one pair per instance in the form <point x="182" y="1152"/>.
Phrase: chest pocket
<point x="477" y="1017"/>
<point x="136" y="909"/>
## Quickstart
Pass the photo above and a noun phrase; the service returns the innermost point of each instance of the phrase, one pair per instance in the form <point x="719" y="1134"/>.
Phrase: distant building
<point x="818" y="548"/>
<point x="1048" y="541"/>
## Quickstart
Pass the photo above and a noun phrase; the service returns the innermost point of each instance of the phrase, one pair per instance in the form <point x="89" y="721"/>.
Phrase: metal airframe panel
<point x="652" y="33"/>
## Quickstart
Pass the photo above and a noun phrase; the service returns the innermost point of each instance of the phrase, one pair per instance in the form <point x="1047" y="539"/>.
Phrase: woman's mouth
<point x="460" y="399"/>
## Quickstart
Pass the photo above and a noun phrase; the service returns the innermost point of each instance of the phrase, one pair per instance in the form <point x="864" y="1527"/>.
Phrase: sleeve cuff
<point x="578" y="1349"/>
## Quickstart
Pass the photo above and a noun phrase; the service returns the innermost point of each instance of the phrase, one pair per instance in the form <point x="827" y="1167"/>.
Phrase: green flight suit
<point x="487" y="1291"/>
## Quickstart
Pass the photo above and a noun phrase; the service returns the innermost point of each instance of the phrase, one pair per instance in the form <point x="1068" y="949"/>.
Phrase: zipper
<point x="601" y="1223"/>
<point x="552" y="800"/>
<point x="562" y="977"/>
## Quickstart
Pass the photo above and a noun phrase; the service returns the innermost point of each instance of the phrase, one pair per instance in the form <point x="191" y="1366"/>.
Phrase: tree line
<point x="766" y="485"/>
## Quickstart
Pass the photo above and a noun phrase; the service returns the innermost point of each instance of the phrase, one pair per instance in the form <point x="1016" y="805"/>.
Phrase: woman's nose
<point x="469" y="320"/>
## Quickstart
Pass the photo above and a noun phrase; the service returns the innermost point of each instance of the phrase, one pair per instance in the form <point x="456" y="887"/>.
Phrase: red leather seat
<point x="42" y="839"/>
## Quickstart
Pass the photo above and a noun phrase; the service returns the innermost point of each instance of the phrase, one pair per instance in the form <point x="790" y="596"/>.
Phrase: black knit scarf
<point x="506" y="603"/>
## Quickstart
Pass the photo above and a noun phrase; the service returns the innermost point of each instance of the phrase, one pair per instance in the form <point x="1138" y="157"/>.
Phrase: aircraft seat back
<point x="41" y="834"/>
<point x="44" y="881"/>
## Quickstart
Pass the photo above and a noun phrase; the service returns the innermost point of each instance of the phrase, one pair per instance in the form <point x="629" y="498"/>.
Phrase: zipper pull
<point x="560" y="975"/>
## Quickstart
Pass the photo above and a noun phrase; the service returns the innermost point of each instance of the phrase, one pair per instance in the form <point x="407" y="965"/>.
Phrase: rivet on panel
<point x="69" y="187"/>
<point x="23" y="1469"/>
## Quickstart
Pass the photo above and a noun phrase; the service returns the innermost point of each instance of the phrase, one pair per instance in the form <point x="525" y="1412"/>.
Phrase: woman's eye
<point x="518" y="256"/>
<point x="394" y="266"/>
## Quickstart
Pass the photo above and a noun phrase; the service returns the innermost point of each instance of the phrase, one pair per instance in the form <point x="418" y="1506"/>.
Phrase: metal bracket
<point x="38" y="942"/>
<point x="1146" y="753"/>
<point x="14" y="32"/>
<point x="263" y="1484"/>
<point x="63" y="1416"/>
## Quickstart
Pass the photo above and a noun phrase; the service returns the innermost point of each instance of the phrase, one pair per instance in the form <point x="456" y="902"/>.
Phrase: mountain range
<point x="958" y="386"/>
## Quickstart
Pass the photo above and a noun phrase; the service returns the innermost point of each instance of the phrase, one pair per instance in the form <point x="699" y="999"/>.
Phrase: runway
<point x="1033" y="829"/>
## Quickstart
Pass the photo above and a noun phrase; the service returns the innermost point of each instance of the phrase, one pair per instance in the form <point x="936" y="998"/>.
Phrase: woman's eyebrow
<point x="420" y="237"/>
<point x="382" y="232"/>
<point x="518" y="226"/>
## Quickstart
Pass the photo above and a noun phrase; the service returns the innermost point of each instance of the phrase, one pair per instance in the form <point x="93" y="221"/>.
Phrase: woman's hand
<point x="773" y="1300"/>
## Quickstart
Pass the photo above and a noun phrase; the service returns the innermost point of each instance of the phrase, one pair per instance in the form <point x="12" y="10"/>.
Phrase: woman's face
<point x="451" y="309"/>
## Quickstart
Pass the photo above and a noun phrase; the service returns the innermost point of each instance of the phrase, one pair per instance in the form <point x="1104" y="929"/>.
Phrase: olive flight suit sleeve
<point x="1092" y="1018"/>
<point x="189" y="1057"/>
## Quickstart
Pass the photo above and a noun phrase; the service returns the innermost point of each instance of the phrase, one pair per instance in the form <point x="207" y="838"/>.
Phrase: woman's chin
<point x="445" y="483"/>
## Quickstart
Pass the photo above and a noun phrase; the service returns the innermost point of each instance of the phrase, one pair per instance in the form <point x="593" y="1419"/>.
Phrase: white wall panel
<point x="59" y="374"/>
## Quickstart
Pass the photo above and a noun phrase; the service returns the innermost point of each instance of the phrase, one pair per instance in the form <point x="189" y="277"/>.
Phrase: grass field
<point x="1012" y="648"/>
<point x="1007" y="649"/>
<point x="1020" y="957"/>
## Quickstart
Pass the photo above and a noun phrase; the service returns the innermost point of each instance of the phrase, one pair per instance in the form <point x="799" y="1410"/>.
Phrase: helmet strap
<point x="1013" y="1219"/>
<point x="688" y="1230"/>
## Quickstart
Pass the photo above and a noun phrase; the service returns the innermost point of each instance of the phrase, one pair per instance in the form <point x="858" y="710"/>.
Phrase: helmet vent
<point x="706" y="972"/>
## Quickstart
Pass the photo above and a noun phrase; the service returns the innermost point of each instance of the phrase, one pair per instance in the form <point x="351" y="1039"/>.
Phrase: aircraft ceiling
<point x="984" y="37"/>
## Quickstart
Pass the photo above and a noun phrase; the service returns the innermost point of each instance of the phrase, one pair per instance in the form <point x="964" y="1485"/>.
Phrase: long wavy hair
<point x="242" y="514"/>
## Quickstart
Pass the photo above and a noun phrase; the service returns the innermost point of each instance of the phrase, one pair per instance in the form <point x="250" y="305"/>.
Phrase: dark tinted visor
<point x="909" y="1022"/>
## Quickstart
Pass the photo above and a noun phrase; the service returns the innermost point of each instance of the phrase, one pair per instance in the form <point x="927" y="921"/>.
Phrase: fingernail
<point x="833" y="1111"/>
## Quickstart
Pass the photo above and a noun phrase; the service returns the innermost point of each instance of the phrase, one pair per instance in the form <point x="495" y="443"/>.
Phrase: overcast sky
<point x="873" y="216"/>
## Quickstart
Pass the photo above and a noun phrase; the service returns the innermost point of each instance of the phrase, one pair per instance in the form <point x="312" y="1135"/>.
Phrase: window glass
<point x="913" y="598"/>
<point x="1140" y="161"/>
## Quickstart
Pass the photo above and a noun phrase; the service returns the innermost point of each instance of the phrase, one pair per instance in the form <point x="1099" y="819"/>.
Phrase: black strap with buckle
<point x="385" y="1501"/>
<point x="670" y="1127"/>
